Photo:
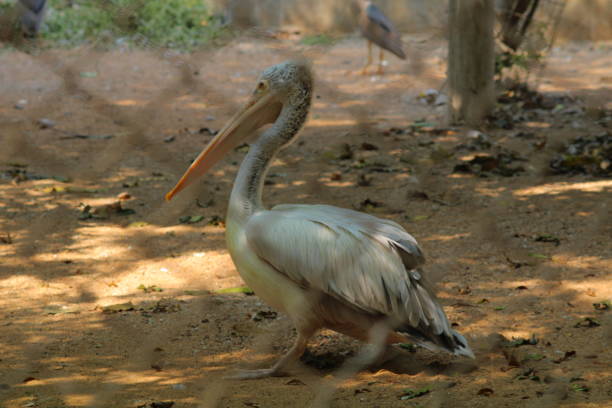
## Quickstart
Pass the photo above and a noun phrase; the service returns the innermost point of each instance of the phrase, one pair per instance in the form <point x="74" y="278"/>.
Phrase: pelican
<point x="32" y="14"/>
<point x="378" y="29"/>
<point x="324" y="266"/>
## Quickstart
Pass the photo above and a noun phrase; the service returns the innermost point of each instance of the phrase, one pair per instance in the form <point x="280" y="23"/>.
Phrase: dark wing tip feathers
<point x="452" y="342"/>
<point x="433" y="331"/>
<point x="400" y="53"/>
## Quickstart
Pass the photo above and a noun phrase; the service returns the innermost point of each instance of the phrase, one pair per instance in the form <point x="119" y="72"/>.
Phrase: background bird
<point x="378" y="29"/>
<point x="32" y="13"/>
<point x="325" y="267"/>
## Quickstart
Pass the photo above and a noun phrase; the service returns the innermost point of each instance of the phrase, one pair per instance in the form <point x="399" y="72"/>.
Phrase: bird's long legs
<point x="380" y="62"/>
<point x="381" y="55"/>
<point x="364" y="70"/>
<point x="377" y="337"/>
<point x="278" y="369"/>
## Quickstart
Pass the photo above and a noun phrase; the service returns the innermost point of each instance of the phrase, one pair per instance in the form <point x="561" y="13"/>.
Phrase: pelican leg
<point x="364" y="70"/>
<point x="387" y="354"/>
<point x="380" y="62"/>
<point x="278" y="369"/>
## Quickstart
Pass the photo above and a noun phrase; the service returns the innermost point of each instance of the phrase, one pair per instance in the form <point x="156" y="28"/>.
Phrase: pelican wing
<point x="365" y="261"/>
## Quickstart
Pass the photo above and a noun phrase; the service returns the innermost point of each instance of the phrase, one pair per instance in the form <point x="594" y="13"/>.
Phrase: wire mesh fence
<point x="84" y="322"/>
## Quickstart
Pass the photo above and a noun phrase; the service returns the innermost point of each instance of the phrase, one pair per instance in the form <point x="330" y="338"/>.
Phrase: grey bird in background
<point x="378" y="29"/>
<point x="32" y="13"/>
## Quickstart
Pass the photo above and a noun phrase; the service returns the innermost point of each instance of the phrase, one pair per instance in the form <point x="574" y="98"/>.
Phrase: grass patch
<point x="319" y="39"/>
<point x="83" y="22"/>
<point x="177" y="24"/>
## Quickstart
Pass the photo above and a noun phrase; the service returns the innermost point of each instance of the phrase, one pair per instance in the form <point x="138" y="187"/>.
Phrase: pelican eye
<point x="261" y="86"/>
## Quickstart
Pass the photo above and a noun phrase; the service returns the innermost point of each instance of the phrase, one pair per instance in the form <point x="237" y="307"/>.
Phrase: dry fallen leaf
<point x="118" y="307"/>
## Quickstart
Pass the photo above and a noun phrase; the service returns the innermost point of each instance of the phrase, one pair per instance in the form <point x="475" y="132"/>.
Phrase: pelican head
<point x="282" y="90"/>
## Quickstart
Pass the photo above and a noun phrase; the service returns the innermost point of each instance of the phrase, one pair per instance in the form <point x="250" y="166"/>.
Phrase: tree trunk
<point x="471" y="60"/>
<point x="516" y="16"/>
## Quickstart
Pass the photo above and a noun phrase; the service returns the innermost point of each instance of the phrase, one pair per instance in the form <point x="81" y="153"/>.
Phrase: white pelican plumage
<point x="325" y="267"/>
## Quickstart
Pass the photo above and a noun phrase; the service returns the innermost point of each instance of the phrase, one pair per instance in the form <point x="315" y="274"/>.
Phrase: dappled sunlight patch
<point x="459" y="176"/>
<point x="196" y="105"/>
<point x="589" y="291"/>
<point x="449" y="139"/>
<point x="95" y="243"/>
<point x="279" y="161"/>
<point x="337" y="184"/>
<point x="125" y="377"/>
<point x="125" y="173"/>
<point x="356" y="102"/>
<point x="518" y="333"/>
<point x="582" y="262"/>
<point x="278" y="186"/>
<point x="445" y="237"/>
<point x="57" y="380"/>
<point x="521" y="284"/>
<point x="468" y="261"/>
<point x="129" y="102"/>
<point x="79" y="399"/>
<point x="564" y="186"/>
<point x="23" y="282"/>
<point x="537" y="125"/>
<point x="322" y="122"/>
<point x="225" y="360"/>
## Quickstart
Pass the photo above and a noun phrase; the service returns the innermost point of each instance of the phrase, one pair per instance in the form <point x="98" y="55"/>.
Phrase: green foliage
<point x="179" y="24"/>
<point x="508" y="60"/>
<point x="5" y="8"/>
<point x="176" y="23"/>
<point x="410" y="393"/>
<point x="78" y="24"/>
<point x="529" y="55"/>
<point x="239" y="289"/>
<point x="319" y="39"/>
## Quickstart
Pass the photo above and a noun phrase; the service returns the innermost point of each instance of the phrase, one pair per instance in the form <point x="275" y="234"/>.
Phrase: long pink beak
<point x="259" y="111"/>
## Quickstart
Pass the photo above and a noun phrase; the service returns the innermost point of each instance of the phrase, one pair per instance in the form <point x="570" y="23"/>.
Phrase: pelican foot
<point x="254" y="374"/>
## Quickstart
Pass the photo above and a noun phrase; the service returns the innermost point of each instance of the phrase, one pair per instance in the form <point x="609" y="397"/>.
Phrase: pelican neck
<point x="246" y="197"/>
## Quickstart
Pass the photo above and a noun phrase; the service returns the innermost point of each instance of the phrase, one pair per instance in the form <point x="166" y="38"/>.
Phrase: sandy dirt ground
<point x="111" y="297"/>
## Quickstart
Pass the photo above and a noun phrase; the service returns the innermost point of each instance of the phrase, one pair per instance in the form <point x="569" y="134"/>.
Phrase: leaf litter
<point x="103" y="212"/>
<point x="603" y="305"/>
<point x="548" y="238"/>
<point x="150" y="288"/>
<point x="239" y="289"/>
<point x="568" y="355"/>
<point x="411" y="394"/>
<point x="190" y="219"/>
<point x="585" y="155"/>
<point x="324" y="361"/>
<point x="485" y="164"/>
<point x="521" y="341"/>
<point x="587" y="322"/>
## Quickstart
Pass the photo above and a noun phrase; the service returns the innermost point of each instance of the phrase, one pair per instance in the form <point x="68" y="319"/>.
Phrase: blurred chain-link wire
<point x="135" y="135"/>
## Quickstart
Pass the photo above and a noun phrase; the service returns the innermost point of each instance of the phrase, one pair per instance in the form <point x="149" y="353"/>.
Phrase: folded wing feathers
<point x="335" y="250"/>
<point x="377" y="17"/>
